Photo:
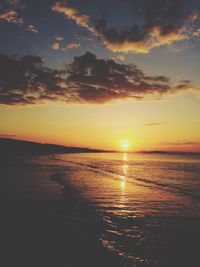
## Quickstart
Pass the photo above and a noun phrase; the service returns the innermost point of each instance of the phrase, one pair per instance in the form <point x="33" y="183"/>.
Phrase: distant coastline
<point x="168" y="152"/>
<point x="21" y="147"/>
<point x="9" y="146"/>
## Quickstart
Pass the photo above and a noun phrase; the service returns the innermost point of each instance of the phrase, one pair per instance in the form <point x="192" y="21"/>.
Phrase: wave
<point x="114" y="174"/>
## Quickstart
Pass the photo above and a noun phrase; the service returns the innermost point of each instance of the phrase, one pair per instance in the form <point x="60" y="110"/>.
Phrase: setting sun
<point x="125" y="145"/>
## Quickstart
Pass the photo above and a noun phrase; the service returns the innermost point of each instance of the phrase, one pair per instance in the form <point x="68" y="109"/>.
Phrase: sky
<point x="114" y="74"/>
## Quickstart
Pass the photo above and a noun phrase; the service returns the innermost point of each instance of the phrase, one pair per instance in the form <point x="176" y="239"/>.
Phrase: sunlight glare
<point x="125" y="145"/>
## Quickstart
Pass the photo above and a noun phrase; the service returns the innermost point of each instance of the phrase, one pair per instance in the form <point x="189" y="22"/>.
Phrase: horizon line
<point x="157" y="151"/>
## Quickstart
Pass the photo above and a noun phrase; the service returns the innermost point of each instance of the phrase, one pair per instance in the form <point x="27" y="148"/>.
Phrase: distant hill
<point x="18" y="147"/>
<point x="168" y="152"/>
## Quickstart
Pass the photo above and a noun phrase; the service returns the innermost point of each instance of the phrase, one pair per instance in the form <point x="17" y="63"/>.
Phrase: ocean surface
<point x="148" y="204"/>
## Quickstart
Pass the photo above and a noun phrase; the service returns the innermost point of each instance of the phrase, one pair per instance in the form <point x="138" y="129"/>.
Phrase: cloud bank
<point x="26" y="80"/>
<point x="156" y="23"/>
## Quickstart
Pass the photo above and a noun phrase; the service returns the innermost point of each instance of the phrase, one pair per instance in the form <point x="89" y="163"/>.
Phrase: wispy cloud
<point x="55" y="46"/>
<point x="59" y="38"/>
<point x="71" y="46"/>
<point x="156" y="123"/>
<point x="73" y="14"/>
<point x="32" y="28"/>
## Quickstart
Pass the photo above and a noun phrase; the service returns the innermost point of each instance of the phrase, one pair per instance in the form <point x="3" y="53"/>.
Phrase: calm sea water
<point x="149" y="203"/>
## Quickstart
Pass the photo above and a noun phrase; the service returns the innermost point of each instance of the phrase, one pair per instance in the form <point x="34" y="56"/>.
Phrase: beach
<point x="44" y="223"/>
<point x="97" y="210"/>
<point x="100" y="133"/>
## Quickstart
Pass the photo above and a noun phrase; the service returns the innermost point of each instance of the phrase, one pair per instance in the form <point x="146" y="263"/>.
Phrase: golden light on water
<point x="123" y="182"/>
<point x="125" y="157"/>
<point x="124" y="171"/>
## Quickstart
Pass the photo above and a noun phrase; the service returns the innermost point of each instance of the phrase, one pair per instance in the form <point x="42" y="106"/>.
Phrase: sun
<point x="125" y="145"/>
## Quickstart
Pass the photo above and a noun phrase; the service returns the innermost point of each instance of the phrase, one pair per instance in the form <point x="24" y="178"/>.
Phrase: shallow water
<point x="148" y="202"/>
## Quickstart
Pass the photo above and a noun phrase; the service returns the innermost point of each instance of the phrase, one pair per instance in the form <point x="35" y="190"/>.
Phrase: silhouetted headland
<point x="18" y="147"/>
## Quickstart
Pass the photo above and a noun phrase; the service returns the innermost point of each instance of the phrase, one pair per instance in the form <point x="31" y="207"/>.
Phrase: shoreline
<point x="51" y="232"/>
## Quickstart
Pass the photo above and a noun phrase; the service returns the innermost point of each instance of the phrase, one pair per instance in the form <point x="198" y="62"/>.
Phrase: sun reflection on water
<point x="123" y="181"/>
<point x="125" y="157"/>
<point x="122" y="184"/>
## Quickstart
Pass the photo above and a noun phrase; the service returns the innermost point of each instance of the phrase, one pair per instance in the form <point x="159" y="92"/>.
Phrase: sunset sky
<point x="101" y="74"/>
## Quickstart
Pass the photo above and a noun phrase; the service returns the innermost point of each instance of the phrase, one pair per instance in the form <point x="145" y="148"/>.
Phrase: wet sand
<point x="58" y="230"/>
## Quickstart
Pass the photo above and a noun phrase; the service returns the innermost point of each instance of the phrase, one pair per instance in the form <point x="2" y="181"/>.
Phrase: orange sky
<point x="170" y="124"/>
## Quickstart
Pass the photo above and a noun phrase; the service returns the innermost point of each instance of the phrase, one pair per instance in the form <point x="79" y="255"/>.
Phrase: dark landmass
<point x="169" y="152"/>
<point x="13" y="147"/>
<point x="18" y="147"/>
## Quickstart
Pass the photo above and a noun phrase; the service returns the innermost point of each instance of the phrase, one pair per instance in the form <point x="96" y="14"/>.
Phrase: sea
<point x="149" y="204"/>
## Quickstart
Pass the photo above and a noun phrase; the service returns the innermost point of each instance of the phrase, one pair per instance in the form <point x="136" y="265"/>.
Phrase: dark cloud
<point x="26" y="80"/>
<point x="100" y="80"/>
<point x="32" y="28"/>
<point x="161" y="22"/>
<point x="155" y="23"/>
